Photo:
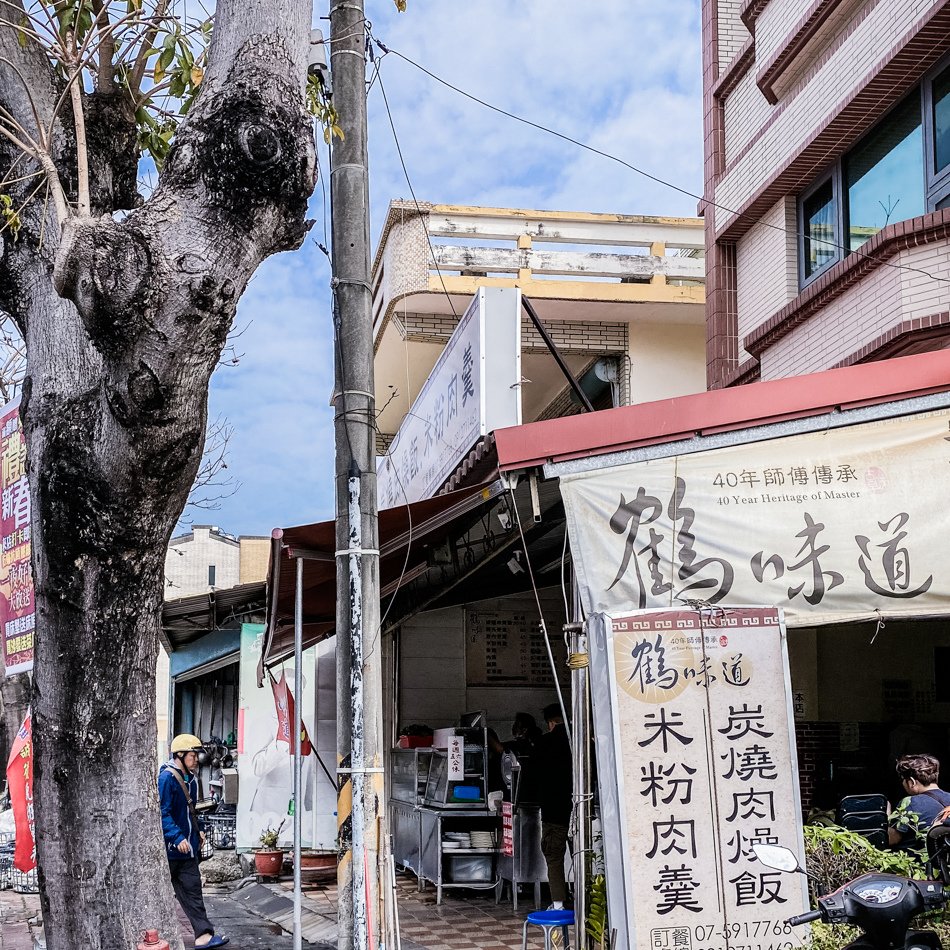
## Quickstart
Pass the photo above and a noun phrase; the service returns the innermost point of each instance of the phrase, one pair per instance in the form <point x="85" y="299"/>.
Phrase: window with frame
<point x="899" y="170"/>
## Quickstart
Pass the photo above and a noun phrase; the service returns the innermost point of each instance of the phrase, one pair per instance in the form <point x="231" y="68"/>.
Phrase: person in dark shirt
<point x="525" y="735"/>
<point x="919" y="775"/>
<point x="554" y="768"/>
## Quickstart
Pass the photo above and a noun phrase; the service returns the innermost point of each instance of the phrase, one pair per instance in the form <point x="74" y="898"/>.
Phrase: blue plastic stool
<point x="549" y="920"/>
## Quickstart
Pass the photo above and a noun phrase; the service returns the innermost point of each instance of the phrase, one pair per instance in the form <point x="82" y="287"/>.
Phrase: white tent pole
<point x="298" y="758"/>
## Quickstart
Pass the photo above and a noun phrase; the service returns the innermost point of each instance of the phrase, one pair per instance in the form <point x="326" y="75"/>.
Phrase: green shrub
<point x="835" y="856"/>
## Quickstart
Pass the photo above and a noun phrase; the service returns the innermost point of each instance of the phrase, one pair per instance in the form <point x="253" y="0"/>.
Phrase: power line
<point x="405" y="171"/>
<point x="640" y="171"/>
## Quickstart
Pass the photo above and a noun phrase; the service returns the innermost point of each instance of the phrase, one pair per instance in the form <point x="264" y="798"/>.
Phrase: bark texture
<point x="124" y="322"/>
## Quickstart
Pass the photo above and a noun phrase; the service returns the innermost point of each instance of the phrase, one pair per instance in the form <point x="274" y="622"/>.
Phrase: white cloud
<point x="624" y="76"/>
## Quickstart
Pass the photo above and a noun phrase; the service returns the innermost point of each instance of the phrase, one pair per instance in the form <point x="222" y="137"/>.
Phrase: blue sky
<point x="627" y="81"/>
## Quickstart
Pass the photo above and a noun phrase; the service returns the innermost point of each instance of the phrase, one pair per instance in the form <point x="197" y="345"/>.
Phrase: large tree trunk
<point x="114" y="411"/>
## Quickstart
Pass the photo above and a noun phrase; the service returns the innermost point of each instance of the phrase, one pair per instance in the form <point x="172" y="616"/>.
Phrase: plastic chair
<point x="549" y="920"/>
<point x="866" y="815"/>
<point x="938" y="851"/>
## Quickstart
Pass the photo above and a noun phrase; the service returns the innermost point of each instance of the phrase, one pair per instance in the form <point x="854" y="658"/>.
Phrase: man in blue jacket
<point x="184" y="835"/>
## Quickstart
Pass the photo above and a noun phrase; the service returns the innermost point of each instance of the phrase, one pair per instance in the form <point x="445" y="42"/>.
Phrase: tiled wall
<point x="885" y="297"/>
<point x="844" y="67"/>
<point x="570" y="336"/>
<point x="766" y="267"/>
<point x="745" y="111"/>
<point x="732" y="31"/>
<point x="432" y="682"/>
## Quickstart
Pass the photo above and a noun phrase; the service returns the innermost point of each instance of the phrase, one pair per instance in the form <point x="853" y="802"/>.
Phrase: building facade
<point x="204" y="560"/>
<point x="827" y="183"/>
<point x="620" y="297"/>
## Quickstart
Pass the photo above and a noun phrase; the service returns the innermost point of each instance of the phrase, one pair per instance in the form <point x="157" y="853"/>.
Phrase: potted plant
<point x="318" y="862"/>
<point x="268" y="859"/>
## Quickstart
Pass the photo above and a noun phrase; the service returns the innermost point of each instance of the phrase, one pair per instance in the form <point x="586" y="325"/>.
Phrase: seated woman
<point x="925" y="803"/>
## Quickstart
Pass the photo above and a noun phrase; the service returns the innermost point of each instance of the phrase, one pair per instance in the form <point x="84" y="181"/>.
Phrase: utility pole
<point x="358" y="652"/>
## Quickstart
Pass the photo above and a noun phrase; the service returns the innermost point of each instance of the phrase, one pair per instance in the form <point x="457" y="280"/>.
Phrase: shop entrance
<point x="863" y="697"/>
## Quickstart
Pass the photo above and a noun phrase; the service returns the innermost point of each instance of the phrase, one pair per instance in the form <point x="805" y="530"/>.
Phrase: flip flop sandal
<point x="215" y="941"/>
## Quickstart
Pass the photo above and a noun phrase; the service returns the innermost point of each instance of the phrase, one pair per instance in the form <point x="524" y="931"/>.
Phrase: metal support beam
<point x="552" y="346"/>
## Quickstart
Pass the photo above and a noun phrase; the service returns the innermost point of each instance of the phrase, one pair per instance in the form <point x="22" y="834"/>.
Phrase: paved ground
<point x="16" y="913"/>
<point x="465" y="920"/>
<point x="247" y="930"/>
<point x="251" y="915"/>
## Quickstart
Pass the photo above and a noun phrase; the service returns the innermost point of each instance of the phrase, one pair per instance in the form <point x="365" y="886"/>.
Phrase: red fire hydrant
<point x="153" y="942"/>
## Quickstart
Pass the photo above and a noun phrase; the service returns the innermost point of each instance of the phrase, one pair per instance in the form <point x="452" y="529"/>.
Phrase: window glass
<point x="818" y="214"/>
<point x="884" y="175"/>
<point x="941" y="93"/>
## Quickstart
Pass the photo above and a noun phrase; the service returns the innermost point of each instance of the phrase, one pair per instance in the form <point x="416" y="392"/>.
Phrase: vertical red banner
<point x="507" y="830"/>
<point x="17" y="611"/>
<point x="284" y="703"/>
<point x="20" y="783"/>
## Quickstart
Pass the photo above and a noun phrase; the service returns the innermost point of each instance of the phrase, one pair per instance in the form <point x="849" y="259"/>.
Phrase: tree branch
<point x="105" y="76"/>
<point x="137" y="73"/>
<point x="82" y="153"/>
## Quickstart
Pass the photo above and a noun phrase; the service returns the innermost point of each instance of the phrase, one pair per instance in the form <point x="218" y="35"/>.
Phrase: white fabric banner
<point x="833" y="526"/>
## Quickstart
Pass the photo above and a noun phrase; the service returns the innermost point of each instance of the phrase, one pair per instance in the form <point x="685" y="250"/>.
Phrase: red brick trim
<point x="749" y="12"/>
<point x="735" y="70"/>
<point x="801" y="35"/>
<point x="895" y="74"/>
<point x="722" y="318"/>
<point x="749" y="371"/>
<point x="898" y="340"/>
<point x="927" y="229"/>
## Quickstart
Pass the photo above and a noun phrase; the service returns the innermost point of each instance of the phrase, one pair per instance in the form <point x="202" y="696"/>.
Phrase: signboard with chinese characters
<point x="17" y="611"/>
<point x="507" y="830"/>
<point x="696" y="757"/>
<point x="456" y="757"/>
<point x="473" y="389"/>
<point x="505" y="647"/>
<point x="833" y="526"/>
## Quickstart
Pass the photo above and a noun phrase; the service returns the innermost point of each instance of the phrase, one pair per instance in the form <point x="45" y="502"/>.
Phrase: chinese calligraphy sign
<point x="832" y="526"/>
<point x="703" y="761"/>
<point x="473" y="389"/>
<point x="17" y="613"/>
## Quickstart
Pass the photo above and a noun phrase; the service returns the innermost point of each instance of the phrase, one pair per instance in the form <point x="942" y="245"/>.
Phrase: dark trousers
<point x="553" y="846"/>
<point x="186" y="881"/>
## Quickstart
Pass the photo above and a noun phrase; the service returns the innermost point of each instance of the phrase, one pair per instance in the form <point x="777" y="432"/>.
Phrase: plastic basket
<point x="222" y="831"/>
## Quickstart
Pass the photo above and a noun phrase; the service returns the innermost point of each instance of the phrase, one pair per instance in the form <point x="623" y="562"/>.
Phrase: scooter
<point x="881" y="905"/>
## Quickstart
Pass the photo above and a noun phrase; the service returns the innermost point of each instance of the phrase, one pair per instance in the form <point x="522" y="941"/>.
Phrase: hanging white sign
<point x="697" y="763"/>
<point x="473" y="389"/>
<point x="456" y="756"/>
<point x="833" y="526"/>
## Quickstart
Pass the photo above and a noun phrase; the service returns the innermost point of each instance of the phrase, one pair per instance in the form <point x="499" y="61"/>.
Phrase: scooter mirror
<point x="777" y="857"/>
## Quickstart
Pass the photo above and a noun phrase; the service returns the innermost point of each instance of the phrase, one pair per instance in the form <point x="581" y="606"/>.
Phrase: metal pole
<point x="581" y="730"/>
<point x="556" y="353"/>
<point x="360" y="803"/>
<point x="298" y="757"/>
<point x="355" y="582"/>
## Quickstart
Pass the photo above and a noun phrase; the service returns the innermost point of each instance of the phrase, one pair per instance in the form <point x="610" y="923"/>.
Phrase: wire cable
<point x="649" y="175"/>
<point x="405" y="171"/>
<point x="544" y="626"/>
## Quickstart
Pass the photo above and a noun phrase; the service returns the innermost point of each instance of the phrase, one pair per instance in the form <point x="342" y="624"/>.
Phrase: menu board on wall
<point x="505" y="647"/>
